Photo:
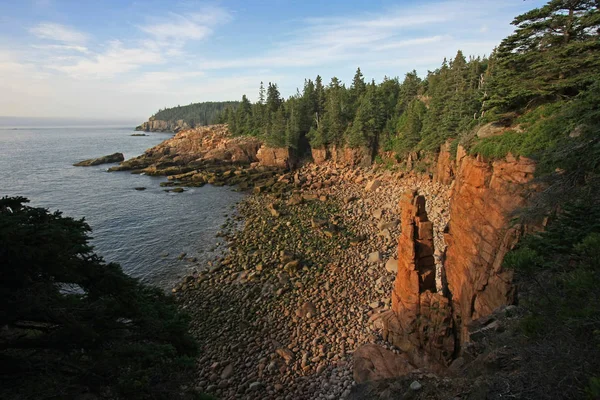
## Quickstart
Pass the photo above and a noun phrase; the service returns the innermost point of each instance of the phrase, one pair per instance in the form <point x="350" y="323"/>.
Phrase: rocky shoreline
<point x="309" y="268"/>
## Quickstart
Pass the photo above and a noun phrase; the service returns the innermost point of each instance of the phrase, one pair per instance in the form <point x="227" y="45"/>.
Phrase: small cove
<point x="145" y="231"/>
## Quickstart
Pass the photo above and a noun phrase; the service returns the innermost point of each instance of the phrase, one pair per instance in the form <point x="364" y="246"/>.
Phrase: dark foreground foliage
<point x="72" y="324"/>
<point x="559" y="272"/>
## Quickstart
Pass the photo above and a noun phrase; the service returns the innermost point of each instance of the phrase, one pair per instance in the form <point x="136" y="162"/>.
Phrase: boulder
<point x="279" y="157"/>
<point x="294" y="200"/>
<point x="227" y="371"/>
<point x="372" y="362"/>
<point x="392" y="265"/>
<point x="373" y="185"/>
<point x="377" y="213"/>
<point x="109" y="159"/>
<point x="307" y="310"/>
<point x="375" y="257"/>
<point x="388" y="225"/>
<point x="273" y="210"/>
<point x="491" y="129"/>
<point x="286" y="354"/>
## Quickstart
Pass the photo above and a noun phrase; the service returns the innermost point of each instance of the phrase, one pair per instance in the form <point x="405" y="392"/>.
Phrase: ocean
<point x="144" y="231"/>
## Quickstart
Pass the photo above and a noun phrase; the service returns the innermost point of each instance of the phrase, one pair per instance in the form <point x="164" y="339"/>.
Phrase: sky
<point x="119" y="59"/>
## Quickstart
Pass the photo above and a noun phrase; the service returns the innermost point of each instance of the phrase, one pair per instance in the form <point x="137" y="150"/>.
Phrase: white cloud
<point x="166" y="39"/>
<point x="193" y="26"/>
<point x="409" y="42"/>
<point x="177" y="27"/>
<point x="59" y="33"/>
<point x="61" y="48"/>
<point x="162" y="80"/>
<point x="116" y="59"/>
<point x="412" y="32"/>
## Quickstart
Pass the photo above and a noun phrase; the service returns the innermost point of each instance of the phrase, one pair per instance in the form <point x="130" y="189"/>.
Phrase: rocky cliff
<point x="153" y="125"/>
<point x="209" y="154"/>
<point x="479" y="235"/>
<point x="360" y="157"/>
<point x="279" y="157"/>
<point x="431" y="323"/>
<point x="193" y="147"/>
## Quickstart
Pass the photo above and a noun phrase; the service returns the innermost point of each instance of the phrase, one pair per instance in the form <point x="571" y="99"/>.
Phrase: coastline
<point x="301" y="282"/>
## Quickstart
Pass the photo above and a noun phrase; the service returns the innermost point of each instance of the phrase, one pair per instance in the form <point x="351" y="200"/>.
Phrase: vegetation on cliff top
<point x="196" y="114"/>
<point x="72" y="324"/>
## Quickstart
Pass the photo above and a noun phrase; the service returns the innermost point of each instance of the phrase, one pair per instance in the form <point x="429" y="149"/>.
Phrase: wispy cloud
<point x="170" y="58"/>
<point x="116" y="59"/>
<point x="59" y="33"/>
<point x="409" y="42"/>
<point x="166" y="38"/>
<point x="193" y="26"/>
<point x="61" y="48"/>
<point x="407" y="31"/>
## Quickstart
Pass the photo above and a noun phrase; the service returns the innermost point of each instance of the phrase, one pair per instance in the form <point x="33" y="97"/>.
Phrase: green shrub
<point x="72" y="324"/>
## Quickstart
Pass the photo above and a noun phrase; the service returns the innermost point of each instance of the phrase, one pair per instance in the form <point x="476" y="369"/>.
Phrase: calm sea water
<point x="144" y="231"/>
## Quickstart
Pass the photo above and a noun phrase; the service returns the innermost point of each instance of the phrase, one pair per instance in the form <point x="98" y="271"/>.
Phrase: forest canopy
<point x="195" y="114"/>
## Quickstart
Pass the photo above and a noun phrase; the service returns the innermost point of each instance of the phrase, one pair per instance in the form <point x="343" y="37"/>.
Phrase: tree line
<point x="552" y="56"/>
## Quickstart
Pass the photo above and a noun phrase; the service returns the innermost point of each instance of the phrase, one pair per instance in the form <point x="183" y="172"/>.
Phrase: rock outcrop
<point x="359" y="157"/>
<point x="153" y="125"/>
<point x="420" y="322"/>
<point x="209" y="144"/>
<point x="320" y="156"/>
<point x="445" y="169"/>
<point x="479" y="234"/>
<point x="279" y="157"/>
<point x="109" y="159"/>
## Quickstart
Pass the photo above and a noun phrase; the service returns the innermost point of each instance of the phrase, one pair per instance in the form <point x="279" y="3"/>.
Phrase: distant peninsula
<point x="180" y="118"/>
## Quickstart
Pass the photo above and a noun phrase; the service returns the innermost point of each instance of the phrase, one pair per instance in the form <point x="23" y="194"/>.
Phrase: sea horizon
<point x="9" y="122"/>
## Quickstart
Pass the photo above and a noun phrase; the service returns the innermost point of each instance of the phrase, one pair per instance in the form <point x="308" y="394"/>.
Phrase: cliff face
<point x="360" y="157"/>
<point x="430" y="324"/>
<point x="279" y="157"/>
<point x="153" y="125"/>
<point x="479" y="234"/>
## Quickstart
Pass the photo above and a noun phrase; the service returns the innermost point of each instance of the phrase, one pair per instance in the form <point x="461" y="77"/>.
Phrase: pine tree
<point x="320" y="98"/>
<point x="261" y="93"/>
<point x="367" y="122"/>
<point x="274" y="99"/>
<point x="409" y="127"/>
<point x="334" y="122"/>
<point x="243" y="117"/>
<point x="554" y="53"/>
<point x="408" y="91"/>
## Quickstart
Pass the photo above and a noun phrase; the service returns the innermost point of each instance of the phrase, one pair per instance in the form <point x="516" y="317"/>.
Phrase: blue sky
<point x="126" y="59"/>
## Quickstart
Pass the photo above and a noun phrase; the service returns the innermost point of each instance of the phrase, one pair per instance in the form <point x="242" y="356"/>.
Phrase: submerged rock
<point x="111" y="158"/>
